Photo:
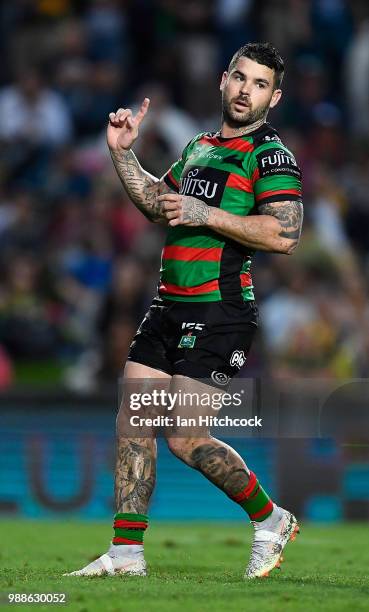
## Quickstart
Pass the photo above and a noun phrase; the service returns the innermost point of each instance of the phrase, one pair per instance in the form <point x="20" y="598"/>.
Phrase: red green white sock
<point x="254" y="500"/>
<point x="129" y="528"/>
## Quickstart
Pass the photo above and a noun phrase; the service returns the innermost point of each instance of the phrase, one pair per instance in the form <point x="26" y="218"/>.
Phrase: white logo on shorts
<point x="220" y="378"/>
<point x="238" y="359"/>
<point x="197" y="326"/>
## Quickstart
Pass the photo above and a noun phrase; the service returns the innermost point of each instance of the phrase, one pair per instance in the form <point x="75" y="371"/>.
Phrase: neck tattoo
<point x="244" y="129"/>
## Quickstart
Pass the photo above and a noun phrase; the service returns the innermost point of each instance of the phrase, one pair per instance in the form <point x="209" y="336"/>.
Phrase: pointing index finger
<point x="143" y="110"/>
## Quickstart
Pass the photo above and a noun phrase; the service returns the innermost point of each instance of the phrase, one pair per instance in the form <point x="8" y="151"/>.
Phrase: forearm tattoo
<point x="134" y="474"/>
<point x="142" y="188"/>
<point x="195" y="211"/>
<point x="290" y="216"/>
<point x="220" y="464"/>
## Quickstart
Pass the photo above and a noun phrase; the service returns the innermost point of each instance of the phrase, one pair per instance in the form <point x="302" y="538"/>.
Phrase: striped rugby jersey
<point x="235" y="174"/>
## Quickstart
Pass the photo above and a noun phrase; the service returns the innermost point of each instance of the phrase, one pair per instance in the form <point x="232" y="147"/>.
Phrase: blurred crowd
<point x="79" y="265"/>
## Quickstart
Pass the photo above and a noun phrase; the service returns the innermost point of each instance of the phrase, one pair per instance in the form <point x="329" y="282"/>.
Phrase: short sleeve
<point x="173" y="176"/>
<point x="275" y="175"/>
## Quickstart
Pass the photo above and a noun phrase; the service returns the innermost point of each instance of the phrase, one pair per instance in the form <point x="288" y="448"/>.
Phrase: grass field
<point x="192" y="567"/>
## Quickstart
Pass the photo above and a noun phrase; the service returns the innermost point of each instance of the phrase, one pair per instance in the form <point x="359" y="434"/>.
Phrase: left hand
<point x="184" y="210"/>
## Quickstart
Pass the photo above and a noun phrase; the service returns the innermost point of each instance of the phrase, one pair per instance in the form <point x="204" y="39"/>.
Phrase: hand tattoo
<point x="195" y="212"/>
<point x="142" y="187"/>
<point x="289" y="215"/>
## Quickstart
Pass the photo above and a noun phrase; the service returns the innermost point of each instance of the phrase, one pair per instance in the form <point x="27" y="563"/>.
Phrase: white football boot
<point x="128" y="560"/>
<point x="271" y="536"/>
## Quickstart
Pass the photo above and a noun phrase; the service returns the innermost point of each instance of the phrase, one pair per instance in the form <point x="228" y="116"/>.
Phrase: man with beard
<point x="232" y="192"/>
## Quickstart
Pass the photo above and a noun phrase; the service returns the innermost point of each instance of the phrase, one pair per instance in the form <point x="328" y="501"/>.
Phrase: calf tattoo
<point x="221" y="465"/>
<point x="134" y="474"/>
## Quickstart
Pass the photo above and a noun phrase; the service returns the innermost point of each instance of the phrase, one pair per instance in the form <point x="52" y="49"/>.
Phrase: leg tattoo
<point x="221" y="465"/>
<point x="135" y="474"/>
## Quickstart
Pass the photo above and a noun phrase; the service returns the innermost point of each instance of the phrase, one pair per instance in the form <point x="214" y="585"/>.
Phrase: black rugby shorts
<point x="201" y="340"/>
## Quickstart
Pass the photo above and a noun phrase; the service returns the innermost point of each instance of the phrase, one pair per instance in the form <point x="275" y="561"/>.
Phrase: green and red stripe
<point x="171" y="180"/>
<point x="129" y="528"/>
<point x="195" y="261"/>
<point x="239" y="182"/>
<point x="255" y="175"/>
<point x="246" y="280"/>
<point x="235" y="144"/>
<point x="286" y="193"/>
<point x="254" y="500"/>
<point x="171" y="288"/>
<point x="126" y="541"/>
<point x="124" y="524"/>
<point x="184" y="253"/>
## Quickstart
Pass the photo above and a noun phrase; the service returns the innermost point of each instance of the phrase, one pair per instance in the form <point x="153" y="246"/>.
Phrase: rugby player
<point x="231" y="193"/>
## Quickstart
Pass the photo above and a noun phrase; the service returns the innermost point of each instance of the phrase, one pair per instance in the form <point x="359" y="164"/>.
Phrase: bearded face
<point x="239" y="111"/>
<point x="247" y="93"/>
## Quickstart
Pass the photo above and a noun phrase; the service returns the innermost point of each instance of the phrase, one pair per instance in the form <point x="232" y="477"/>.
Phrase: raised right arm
<point x="142" y="187"/>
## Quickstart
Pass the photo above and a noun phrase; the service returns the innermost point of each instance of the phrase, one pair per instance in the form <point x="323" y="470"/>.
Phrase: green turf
<point x="192" y="567"/>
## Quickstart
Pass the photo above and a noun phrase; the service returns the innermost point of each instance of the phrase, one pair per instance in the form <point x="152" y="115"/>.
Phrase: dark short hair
<point x="262" y="53"/>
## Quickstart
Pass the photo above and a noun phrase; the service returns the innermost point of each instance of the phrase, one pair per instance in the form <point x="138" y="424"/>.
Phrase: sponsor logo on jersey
<point x="200" y="153"/>
<point x="198" y="187"/>
<point x="212" y="156"/>
<point x="197" y="326"/>
<point x="238" y="359"/>
<point x="271" y="138"/>
<point x="220" y="378"/>
<point x="205" y="183"/>
<point x="277" y="161"/>
<point x="187" y="342"/>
